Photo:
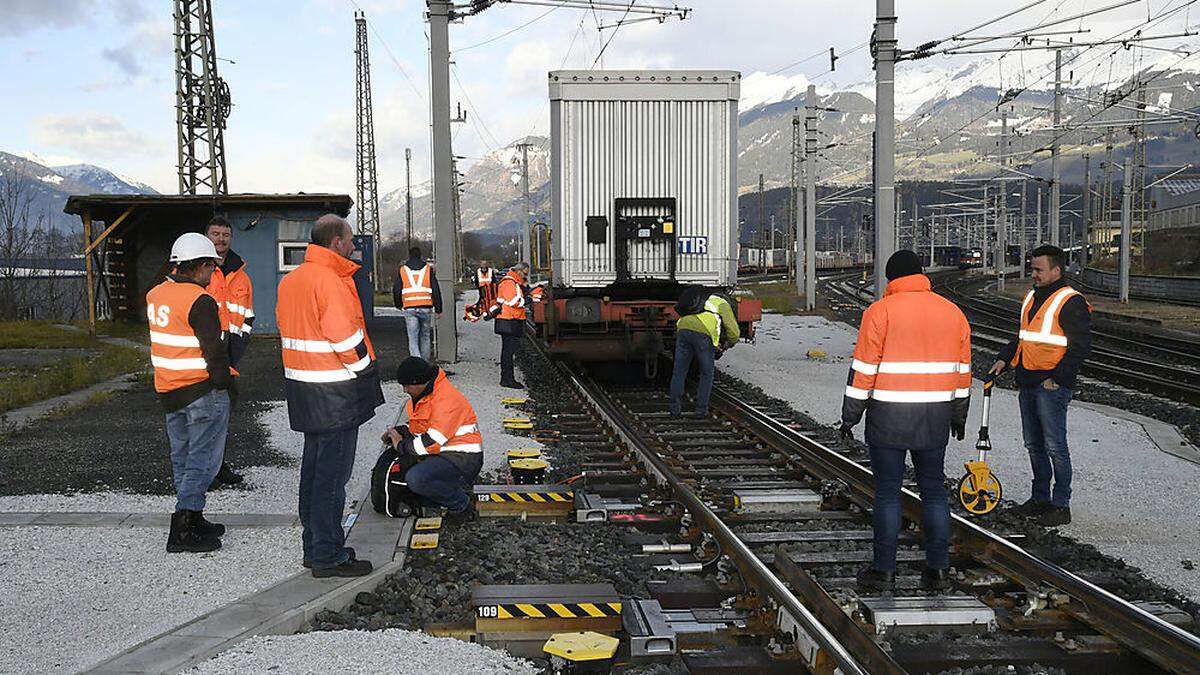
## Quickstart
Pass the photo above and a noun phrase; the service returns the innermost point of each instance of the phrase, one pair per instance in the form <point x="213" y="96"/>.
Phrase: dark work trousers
<point x="689" y="346"/>
<point x="509" y="344"/>
<point x="888" y="467"/>
<point x="1044" y="425"/>
<point x="439" y="482"/>
<point x="324" y="471"/>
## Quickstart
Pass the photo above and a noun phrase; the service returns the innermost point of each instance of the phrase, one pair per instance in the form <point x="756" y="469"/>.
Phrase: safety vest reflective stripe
<point x="1050" y="339"/>
<point x="318" y="375"/>
<point x="463" y="447"/>
<point x="485" y="276"/>
<point x="1041" y="340"/>
<point x="466" y="429"/>
<point x="197" y="363"/>
<point x="893" y="396"/>
<point x="172" y="340"/>
<point x="415" y="288"/>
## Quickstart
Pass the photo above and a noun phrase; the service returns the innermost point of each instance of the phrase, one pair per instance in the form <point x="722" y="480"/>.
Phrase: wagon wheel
<point x="979" y="500"/>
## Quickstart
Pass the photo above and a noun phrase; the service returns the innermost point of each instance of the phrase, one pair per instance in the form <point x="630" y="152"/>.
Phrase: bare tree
<point x="33" y="280"/>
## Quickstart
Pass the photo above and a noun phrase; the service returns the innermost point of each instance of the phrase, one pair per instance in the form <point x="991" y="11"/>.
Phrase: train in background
<point x="756" y="260"/>
<point x="643" y="202"/>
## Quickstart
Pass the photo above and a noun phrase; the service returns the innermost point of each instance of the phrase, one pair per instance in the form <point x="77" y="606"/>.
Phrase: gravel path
<point x="72" y="597"/>
<point x="399" y="652"/>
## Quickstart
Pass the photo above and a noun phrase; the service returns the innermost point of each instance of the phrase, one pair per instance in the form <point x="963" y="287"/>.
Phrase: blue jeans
<point x="438" y="482"/>
<point x="1044" y="425"/>
<point x="689" y="346"/>
<point x="197" y="434"/>
<point x="418" y="323"/>
<point x="324" y="471"/>
<point x="888" y="466"/>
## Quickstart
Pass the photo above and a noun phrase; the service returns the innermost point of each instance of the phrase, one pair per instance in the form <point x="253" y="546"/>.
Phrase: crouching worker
<point x="444" y="438"/>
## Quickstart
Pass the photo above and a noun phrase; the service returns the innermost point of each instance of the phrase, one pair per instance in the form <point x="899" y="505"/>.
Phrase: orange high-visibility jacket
<point x="416" y="290"/>
<point x="510" y="298"/>
<point x="175" y="350"/>
<point x="1042" y="343"/>
<point x="234" y="294"/>
<point x="912" y="367"/>
<point x="443" y="421"/>
<point x="485" y="281"/>
<point x="330" y="376"/>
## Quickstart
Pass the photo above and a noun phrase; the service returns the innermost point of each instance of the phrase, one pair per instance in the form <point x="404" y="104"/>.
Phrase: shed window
<point x="291" y="254"/>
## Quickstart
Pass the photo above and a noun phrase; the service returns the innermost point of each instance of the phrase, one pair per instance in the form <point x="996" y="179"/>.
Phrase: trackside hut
<point x="127" y="239"/>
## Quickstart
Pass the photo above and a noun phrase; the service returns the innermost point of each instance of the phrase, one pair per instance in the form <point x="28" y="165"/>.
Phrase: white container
<point x="665" y="135"/>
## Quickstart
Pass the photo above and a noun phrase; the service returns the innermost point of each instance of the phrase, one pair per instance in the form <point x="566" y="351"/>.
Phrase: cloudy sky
<point x="92" y="80"/>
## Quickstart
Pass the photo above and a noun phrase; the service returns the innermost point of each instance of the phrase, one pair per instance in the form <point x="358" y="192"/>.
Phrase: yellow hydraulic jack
<point x="979" y="491"/>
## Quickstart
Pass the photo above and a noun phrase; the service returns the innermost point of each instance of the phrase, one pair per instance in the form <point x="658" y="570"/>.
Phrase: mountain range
<point x="49" y="186"/>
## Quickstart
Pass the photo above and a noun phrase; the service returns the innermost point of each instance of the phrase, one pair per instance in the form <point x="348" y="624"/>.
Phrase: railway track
<point x="776" y="514"/>
<point x="1160" y="365"/>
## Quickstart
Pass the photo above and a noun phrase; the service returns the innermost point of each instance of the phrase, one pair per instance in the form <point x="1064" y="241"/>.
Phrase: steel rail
<point x="749" y="564"/>
<point x="1165" y="645"/>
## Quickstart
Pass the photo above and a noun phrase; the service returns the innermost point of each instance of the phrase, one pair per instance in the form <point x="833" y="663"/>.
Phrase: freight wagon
<point x="643" y="203"/>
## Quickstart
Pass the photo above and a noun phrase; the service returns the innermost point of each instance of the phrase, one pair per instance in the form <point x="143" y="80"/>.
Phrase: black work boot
<point x="209" y="528"/>
<point x="467" y="515"/>
<point x="935" y="580"/>
<point x="349" y="551"/>
<point x="185" y="534"/>
<point x="225" y="476"/>
<point x="871" y="579"/>
<point x="350" y="568"/>
<point x="1031" y="508"/>
<point x="1055" y="516"/>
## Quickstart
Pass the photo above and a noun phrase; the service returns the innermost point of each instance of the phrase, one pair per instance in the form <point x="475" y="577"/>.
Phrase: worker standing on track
<point x="1054" y="339"/>
<point x="193" y="380"/>
<point x="418" y="297"/>
<point x="509" y="312"/>
<point x="912" y="376"/>
<point x="442" y="432"/>
<point x="484" y="278"/>
<point x="706" y="326"/>
<point x="331" y="381"/>
<point x="230" y="286"/>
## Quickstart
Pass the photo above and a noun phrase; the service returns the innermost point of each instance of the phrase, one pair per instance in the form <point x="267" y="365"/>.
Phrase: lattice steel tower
<point x="364" y="138"/>
<point x="202" y="101"/>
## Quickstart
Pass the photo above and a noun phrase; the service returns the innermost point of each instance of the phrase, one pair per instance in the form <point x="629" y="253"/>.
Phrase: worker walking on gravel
<point x="508" y="310"/>
<point x="331" y="381"/>
<point x="418" y="297"/>
<point x="706" y="327"/>
<point x="1054" y="339"/>
<point x="193" y="380"/>
<point x="443" y="435"/>
<point x="911" y="375"/>
<point x="484" y="278"/>
<point x="230" y="286"/>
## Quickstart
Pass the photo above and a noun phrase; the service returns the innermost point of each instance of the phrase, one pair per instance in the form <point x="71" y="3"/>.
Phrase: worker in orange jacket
<point x="911" y="374"/>
<point x="508" y="311"/>
<point x="443" y="434"/>
<point x="194" y="383"/>
<point x="486" y="278"/>
<point x="231" y="287"/>
<point x="331" y="381"/>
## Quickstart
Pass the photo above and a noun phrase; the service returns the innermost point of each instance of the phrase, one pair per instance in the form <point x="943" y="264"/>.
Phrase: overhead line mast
<point x="202" y="101"/>
<point x="364" y="145"/>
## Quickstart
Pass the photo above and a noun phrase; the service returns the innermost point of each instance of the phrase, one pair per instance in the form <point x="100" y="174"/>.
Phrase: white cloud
<point x="97" y="136"/>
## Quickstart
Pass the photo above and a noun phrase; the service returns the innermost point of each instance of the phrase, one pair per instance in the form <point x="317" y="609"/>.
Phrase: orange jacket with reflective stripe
<point x="912" y="367"/>
<point x="510" y="299"/>
<point x="330" y="376"/>
<point x="416" y="290"/>
<point x="174" y="348"/>
<point x="443" y="421"/>
<point x="235" y="298"/>
<point x="1042" y="343"/>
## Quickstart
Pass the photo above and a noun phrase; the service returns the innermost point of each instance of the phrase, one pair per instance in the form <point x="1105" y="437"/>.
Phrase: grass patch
<point x="41" y="335"/>
<point x="68" y="375"/>
<point x="776" y="296"/>
<point x="136" y="332"/>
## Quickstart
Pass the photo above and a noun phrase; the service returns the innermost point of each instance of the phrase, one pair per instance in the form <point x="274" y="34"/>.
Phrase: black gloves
<point x="958" y="429"/>
<point x="847" y="432"/>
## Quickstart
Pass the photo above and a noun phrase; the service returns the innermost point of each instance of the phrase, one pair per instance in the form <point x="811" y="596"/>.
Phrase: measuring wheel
<point x="979" y="492"/>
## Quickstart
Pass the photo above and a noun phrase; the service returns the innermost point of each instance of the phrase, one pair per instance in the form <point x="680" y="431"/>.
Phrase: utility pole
<point x="795" y="269"/>
<point x="884" y="50"/>
<point x="202" y="101"/>
<point x="458" y="266"/>
<point x="809" y="289"/>
<point x="985" y="244"/>
<point x="408" y="198"/>
<point x="525" y="253"/>
<point x="1126" y="229"/>
<point x="1087" y="211"/>
<point x="1139" y="172"/>
<point x="1055" y="152"/>
<point x="1106" y="197"/>
<point x="440" y="13"/>
<point x="762" y="219"/>
<point x="1039" y="217"/>
<point x="1022" y="231"/>
<point x="1002" y="215"/>
<point x="364" y="145"/>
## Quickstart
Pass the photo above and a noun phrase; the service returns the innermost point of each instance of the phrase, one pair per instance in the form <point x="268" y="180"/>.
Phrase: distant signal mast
<point x="364" y="143"/>
<point x="202" y="101"/>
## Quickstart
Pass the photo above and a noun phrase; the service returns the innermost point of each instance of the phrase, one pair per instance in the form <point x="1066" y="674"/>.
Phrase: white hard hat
<point x="191" y="246"/>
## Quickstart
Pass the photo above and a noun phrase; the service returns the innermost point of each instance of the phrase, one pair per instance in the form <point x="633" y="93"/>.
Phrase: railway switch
<point x="650" y="634"/>
<point x="539" y="610"/>
<point x="518" y="500"/>
<point x="923" y="613"/>
<point x="773" y="500"/>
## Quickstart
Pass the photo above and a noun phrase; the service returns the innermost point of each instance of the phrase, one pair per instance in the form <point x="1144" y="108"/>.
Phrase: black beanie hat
<point x="902" y="263"/>
<point x="415" y="370"/>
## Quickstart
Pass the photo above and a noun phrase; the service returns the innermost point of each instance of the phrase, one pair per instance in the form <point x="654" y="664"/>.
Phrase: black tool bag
<point x="389" y="493"/>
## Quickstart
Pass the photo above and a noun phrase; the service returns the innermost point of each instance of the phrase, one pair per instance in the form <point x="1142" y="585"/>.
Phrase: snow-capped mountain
<point x="48" y="187"/>
<point x="102" y="180"/>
